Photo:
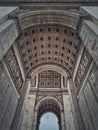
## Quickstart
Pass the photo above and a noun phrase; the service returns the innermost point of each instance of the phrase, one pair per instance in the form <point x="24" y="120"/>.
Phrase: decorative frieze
<point x="14" y="69"/>
<point x="56" y="95"/>
<point x="82" y="69"/>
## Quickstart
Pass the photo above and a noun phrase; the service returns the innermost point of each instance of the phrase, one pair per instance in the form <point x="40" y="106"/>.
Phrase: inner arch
<point x="49" y="121"/>
<point x="49" y="105"/>
<point x="56" y="68"/>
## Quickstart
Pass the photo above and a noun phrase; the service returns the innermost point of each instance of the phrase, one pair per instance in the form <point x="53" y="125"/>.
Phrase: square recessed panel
<point x="49" y="79"/>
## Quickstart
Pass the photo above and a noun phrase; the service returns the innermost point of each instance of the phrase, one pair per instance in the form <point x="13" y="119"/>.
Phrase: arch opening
<point x="49" y="121"/>
<point x="49" y="105"/>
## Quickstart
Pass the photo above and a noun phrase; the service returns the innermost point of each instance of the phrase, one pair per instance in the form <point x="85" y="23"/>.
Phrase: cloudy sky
<point x="49" y="122"/>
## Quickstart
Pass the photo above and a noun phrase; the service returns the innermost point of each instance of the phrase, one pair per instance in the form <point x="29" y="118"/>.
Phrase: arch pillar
<point x="35" y="120"/>
<point x="75" y="105"/>
<point x="62" y="121"/>
<point x="29" y="114"/>
<point x="68" y="114"/>
<point x="40" y="110"/>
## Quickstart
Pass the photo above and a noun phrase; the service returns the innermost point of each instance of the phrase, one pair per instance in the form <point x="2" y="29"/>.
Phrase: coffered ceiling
<point x="48" y="44"/>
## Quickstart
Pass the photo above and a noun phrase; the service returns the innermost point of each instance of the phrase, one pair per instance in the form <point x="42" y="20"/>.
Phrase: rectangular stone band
<point x="48" y="1"/>
<point x="8" y="34"/>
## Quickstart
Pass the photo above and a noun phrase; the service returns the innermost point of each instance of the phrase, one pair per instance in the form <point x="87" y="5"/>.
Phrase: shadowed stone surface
<point x="53" y="66"/>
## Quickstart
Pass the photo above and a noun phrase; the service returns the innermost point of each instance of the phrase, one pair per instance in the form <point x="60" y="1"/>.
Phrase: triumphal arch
<point x="48" y="63"/>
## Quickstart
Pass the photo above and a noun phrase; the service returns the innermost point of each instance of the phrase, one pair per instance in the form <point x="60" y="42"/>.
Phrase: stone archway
<point x="65" y="43"/>
<point x="49" y="104"/>
<point x="44" y="97"/>
<point x="48" y="44"/>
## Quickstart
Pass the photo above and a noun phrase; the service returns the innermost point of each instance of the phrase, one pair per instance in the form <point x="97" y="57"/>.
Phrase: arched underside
<point x="56" y="68"/>
<point x="48" y="43"/>
<point x="41" y="17"/>
<point x="48" y="104"/>
<point x="49" y="98"/>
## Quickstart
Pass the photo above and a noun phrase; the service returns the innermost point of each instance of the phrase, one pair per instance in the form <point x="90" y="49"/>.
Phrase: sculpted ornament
<point x="14" y="69"/>
<point x="83" y="67"/>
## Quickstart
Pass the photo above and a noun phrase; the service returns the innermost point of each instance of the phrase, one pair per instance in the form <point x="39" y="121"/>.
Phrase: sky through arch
<point x="49" y="121"/>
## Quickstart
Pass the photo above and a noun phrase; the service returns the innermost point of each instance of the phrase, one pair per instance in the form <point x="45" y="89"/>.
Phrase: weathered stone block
<point x="8" y="34"/>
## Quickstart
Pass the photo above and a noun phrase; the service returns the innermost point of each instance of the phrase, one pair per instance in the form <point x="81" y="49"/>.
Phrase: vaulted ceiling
<point x="48" y="44"/>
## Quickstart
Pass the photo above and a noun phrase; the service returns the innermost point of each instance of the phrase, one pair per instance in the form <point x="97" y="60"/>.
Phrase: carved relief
<point x="59" y="98"/>
<point x="82" y="69"/>
<point x="56" y="95"/>
<point x="39" y="97"/>
<point x="49" y="79"/>
<point x="14" y="69"/>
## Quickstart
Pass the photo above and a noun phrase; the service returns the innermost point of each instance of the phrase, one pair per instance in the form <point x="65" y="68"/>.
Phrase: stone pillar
<point x="18" y="118"/>
<point x="62" y="120"/>
<point x="35" y="120"/>
<point x="69" y="118"/>
<point x="29" y="114"/>
<point x="75" y="106"/>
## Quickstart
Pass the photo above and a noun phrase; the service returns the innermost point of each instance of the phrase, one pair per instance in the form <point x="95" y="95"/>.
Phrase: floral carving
<point x="82" y="69"/>
<point x="14" y="69"/>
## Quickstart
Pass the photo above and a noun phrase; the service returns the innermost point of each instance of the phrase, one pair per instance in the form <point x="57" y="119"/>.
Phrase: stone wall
<point x="9" y="69"/>
<point x="88" y="93"/>
<point x="69" y="117"/>
<point x="8" y="30"/>
<point x="8" y="100"/>
<point x="89" y="37"/>
<point x="88" y="101"/>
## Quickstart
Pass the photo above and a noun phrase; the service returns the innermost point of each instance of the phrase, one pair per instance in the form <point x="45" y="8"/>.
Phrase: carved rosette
<point x="82" y="69"/>
<point x="14" y="69"/>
